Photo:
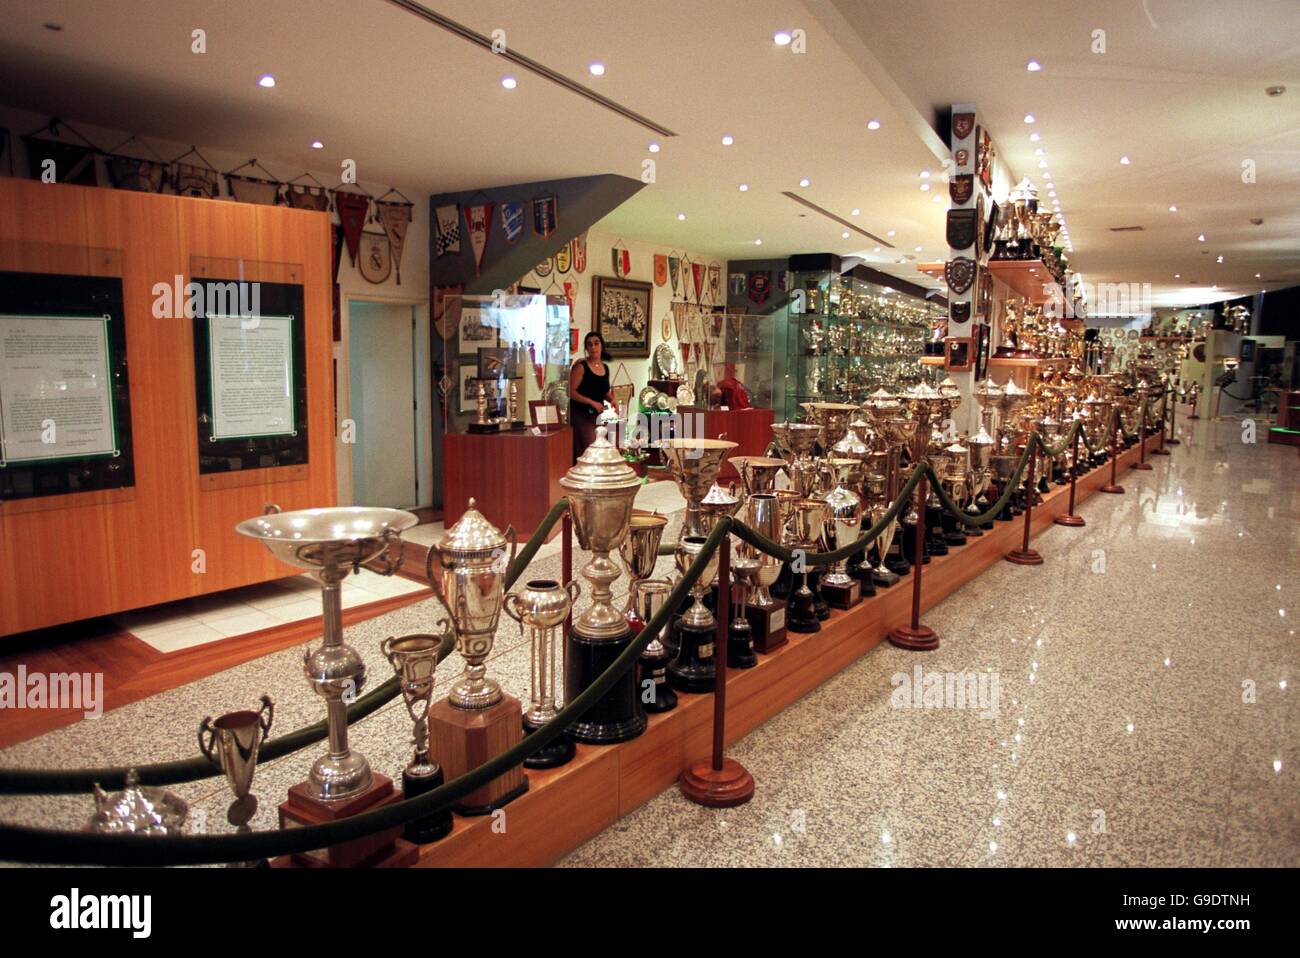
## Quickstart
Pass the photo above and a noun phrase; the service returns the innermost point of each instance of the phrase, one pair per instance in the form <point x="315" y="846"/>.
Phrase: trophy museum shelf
<point x="1025" y="276"/>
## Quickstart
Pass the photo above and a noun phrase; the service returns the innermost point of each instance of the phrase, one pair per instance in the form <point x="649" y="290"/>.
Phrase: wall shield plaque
<point x="960" y="188"/>
<point x="963" y="124"/>
<point x="959" y="273"/>
<point x="961" y="228"/>
<point x="959" y="313"/>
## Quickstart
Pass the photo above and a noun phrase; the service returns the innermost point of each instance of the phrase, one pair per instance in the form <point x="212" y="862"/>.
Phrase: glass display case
<point x="844" y="337"/>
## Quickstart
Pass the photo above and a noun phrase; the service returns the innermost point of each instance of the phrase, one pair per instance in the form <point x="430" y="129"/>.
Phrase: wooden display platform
<point x="514" y="476"/>
<point x="1026" y="277"/>
<point x="565" y="807"/>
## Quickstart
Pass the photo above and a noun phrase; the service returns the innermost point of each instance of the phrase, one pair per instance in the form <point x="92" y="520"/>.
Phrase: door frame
<point x="343" y="383"/>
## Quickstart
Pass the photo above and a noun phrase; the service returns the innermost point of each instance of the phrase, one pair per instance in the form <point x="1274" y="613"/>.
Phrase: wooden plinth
<point x="463" y="739"/>
<point x="768" y="625"/>
<point x="717" y="788"/>
<point x="566" y="806"/>
<point x="381" y="850"/>
<point x="513" y="476"/>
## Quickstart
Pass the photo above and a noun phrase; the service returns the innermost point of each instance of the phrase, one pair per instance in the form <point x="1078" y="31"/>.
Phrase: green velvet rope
<point x="992" y="512"/>
<point x="15" y="781"/>
<point x="54" y="846"/>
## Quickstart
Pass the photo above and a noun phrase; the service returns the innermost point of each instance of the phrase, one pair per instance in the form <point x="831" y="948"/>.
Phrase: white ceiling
<point x="424" y="110"/>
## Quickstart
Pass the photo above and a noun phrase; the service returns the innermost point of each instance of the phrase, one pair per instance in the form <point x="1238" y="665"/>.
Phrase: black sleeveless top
<point x="593" y="387"/>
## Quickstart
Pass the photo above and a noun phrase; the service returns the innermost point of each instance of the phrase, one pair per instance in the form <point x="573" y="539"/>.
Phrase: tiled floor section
<point x="194" y="622"/>
<point x="844" y="779"/>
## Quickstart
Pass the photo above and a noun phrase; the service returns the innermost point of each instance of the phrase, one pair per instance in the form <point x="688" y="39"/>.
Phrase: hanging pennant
<point x="759" y="286"/>
<point x="71" y="163"/>
<point x="512" y="220"/>
<point x="198" y="181"/>
<point x="308" y="198"/>
<point x="661" y="269"/>
<point x="571" y="297"/>
<point x="622" y="260"/>
<point x="375" y="262"/>
<point x="352" y="208"/>
<point x="563" y="259"/>
<point x="252" y="189"/>
<point x="580" y="252"/>
<point x="715" y="283"/>
<point x="394" y="218"/>
<point x="697" y="274"/>
<point x="544" y="214"/>
<point x="478" y="218"/>
<point x="685" y="267"/>
<point x="142" y="176"/>
<point x="446" y="236"/>
<point x="674" y="265"/>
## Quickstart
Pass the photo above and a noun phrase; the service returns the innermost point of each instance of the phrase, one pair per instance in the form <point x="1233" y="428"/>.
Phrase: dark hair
<point x="594" y="335"/>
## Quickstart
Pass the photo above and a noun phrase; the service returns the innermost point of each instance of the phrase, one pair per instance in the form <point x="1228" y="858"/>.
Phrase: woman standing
<point x="588" y="391"/>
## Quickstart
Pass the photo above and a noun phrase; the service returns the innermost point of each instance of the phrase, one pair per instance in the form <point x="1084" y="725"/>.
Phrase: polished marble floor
<point x="1124" y="666"/>
<point x="1147" y="710"/>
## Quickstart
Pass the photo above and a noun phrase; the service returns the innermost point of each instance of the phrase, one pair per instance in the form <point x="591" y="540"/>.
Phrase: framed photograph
<point x="476" y="329"/>
<point x="546" y="415"/>
<point x="469" y="387"/>
<point x="621" y="314"/>
<point x="958" y="356"/>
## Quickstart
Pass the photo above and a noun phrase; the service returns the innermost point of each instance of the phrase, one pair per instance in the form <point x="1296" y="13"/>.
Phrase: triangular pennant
<point x="697" y="273"/>
<point x="251" y="189"/>
<point x="479" y="220"/>
<point x="352" y="208"/>
<point x="308" y="198"/>
<point x="512" y="220"/>
<point x="446" y="238"/>
<point x="200" y="181"/>
<point x="65" y="162"/>
<point x="131" y="173"/>
<point x="395" y="218"/>
<point x="580" y="252"/>
<point x="674" y="265"/>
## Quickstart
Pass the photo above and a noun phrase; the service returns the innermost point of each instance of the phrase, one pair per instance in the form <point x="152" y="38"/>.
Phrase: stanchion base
<point x="1159" y="452"/>
<point x="1024" y="557"/>
<point x="1143" y="466"/>
<point x="1112" y="487"/>
<point x="1069" y="520"/>
<point x="919" y="639"/>
<point x="717" y="788"/>
<point x="1173" y="442"/>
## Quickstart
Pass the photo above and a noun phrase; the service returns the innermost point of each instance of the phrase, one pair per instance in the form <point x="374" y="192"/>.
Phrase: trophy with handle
<point x="231" y="743"/>
<point x="541" y="607"/>
<point x="415" y="660"/>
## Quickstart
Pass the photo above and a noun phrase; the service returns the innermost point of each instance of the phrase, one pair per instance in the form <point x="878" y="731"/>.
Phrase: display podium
<point x="515" y="475"/>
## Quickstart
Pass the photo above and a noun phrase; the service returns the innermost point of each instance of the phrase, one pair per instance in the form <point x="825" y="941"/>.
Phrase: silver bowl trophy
<point x="542" y="607"/>
<point x="477" y="721"/>
<point x="330" y="543"/>
<point x="600" y="488"/>
<point x="415" y="660"/>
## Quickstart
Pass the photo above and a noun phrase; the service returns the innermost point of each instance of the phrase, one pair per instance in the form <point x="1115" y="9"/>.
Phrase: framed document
<point x="251" y="376"/>
<point x="546" y="415"/>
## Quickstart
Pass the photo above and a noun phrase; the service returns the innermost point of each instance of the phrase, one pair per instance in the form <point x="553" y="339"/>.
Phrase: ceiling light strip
<point x="838" y="219"/>
<point x="528" y="63"/>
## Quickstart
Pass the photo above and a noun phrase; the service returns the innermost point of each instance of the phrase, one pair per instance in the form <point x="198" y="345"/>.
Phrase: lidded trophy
<point x="601" y="487"/>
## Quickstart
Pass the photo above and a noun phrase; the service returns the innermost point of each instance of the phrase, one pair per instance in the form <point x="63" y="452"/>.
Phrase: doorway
<point x="388" y="378"/>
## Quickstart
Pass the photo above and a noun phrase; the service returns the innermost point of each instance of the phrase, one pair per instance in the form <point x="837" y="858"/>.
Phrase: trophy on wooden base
<point x="329" y="543"/>
<point x="766" y="615"/>
<point x="477" y="721"/>
<point x="600" y="488"/>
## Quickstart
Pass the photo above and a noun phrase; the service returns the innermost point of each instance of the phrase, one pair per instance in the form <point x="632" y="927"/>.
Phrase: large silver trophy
<point x="695" y="463"/>
<point x="329" y="543"/>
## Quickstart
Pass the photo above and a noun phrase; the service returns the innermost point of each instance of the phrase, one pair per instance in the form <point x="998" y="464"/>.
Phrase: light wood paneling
<point x="68" y="558"/>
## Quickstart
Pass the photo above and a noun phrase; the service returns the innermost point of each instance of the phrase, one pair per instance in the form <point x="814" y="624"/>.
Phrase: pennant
<point x="251" y="189"/>
<point x="200" y="181"/>
<point x="71" y="163"/>
<point x="571" y="297"/>
<point x="479" y="220"/>
<point x="697" y="273"/>
<point x="512" y="220"/>
<point x="674" y="266"/>
<point x="352" y="208"/>
<point x="715" y="283"/>
<point x="622" y="260"/>
<point x="661" y="269"/>
<point x="376" y="261"/>
<point x="446" y="237"/>
<point x="142" y="176"/>
<point x="563" y="259"/>
<point x="394" y="218"/>
<point x="544" y="214"/>
<point x="580" y="252"/>
<point x="308" y="198"/>
<point x="760" y="285"/>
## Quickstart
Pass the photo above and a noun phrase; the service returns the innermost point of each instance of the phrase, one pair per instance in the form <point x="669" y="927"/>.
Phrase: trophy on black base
<point x="766" y="615"/>
<point x="415" y="660"/>
<point x="693" y="668"/>
<point x="640" y="552"/>
<point x="844" y="522"/>
<point x="740" y="634"/>
<point x="542" y="607"/>
<point x="807" y="520"/>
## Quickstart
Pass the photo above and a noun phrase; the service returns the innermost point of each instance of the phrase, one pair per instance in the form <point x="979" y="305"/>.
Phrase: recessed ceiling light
<point x="1200" y="238"/>
<point x="1173" y="209"/>
<point x="653" y="147"/>
<point x="1178" y="275"/>
<point x="1123" y="160"/>
<point x="681" y="216"/>
<point x="925" y="174"/>
<point x="876" y="250"/>
<point x="781" y="38"/>
<point x="727" y="140"/>
<point x="936" y="198"/>
<point x="1257" y="275"/>
<point x="804" y="181"/>
<point x="744" y="187"/>
<point x="1052" y="194"/>
<point x="1042" y="164"/>
<point x="1040" y="152"/>
<point x="1033" y="66"/>
<point x="855" y="211"/>
<point x="844" y="235"/>
<point x="1029" y="118"/>
<point x="873" y="125"/>
<point x="509" y="82"/>
<point x="317" y="145"/>
<point x="596" y="69"/>
<point x="758" y="242"/>
<point x="891" y="232"/>
<point x="266" y="80"/>
<point x="918" y="249"/>
<point x="1034" y="137"/>
<point x="1219" y="260"/>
